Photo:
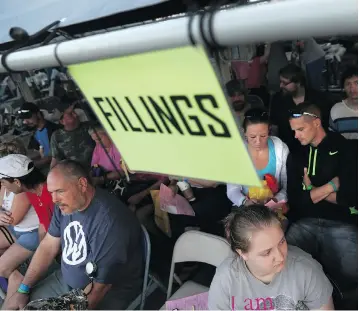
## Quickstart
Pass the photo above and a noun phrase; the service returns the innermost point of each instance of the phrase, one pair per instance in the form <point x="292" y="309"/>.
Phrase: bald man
<point x="94" y="230"/>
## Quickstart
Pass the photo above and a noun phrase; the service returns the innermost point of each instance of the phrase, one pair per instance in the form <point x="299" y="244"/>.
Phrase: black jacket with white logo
<point x="333" y="157"/>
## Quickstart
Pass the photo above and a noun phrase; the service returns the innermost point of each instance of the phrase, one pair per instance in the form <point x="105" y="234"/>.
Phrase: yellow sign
<point x="166" y="113"/>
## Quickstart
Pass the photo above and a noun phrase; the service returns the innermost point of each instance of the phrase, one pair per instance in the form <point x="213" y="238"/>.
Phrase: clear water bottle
<point x="41" y="151"/>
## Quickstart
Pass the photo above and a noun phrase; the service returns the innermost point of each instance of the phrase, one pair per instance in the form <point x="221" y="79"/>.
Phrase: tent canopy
<point x="36" y="14"/>
<point x="82" y="16"/>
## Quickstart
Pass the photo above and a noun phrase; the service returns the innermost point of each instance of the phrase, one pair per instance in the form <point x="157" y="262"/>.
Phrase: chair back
<point x="140" y="299"/>
<point x="198" y="246"/>
<point x="255" y="101"/>
<point x="147" y="253"/>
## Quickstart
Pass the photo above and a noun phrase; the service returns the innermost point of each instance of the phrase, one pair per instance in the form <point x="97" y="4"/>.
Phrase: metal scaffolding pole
<point x="268" y="22"/>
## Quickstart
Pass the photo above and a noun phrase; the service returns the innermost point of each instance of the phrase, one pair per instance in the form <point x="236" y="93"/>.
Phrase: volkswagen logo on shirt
<point x="75" y="247"/>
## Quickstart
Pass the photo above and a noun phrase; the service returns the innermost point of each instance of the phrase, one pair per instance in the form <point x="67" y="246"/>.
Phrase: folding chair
<point x="140" y="299"/>
<point x="150" y="283"/>
<point x="196" y="246"/>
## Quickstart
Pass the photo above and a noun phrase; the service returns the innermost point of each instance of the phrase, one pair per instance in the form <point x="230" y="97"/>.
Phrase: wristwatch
<point x="310" y="187"/>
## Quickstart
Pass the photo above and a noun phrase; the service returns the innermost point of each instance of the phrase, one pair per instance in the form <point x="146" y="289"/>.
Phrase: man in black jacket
<point x="321" y="188"/>
<point x="34" y="119"/>
<point x="294" y="91"/>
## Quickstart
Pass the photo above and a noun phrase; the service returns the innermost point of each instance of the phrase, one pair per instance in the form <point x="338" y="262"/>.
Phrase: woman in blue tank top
<point x="268" y="153"/>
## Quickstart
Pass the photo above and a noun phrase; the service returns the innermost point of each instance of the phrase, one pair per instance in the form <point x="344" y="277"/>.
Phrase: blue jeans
<point x="334" y="244"/>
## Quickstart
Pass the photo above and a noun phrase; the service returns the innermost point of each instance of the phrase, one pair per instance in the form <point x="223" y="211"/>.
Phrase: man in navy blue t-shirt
<point x="93" y="228"/>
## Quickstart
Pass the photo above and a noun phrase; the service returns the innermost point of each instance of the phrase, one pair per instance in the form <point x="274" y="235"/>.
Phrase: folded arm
<point x="320" y="193"/>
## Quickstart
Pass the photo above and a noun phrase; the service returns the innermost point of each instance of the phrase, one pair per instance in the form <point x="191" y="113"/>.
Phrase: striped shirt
<point x="344" y="120"/>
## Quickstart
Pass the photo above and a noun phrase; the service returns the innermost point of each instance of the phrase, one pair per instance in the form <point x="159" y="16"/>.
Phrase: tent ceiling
<point x="36" y="14"/>
<point x="84" y="15"/>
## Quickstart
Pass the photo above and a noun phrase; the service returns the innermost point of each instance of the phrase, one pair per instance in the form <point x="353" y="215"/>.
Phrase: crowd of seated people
<point x="89" y="226"/>
<point x="310" y="167"/>
<point x="321" y="176"/>
<point x="34" y="210"/>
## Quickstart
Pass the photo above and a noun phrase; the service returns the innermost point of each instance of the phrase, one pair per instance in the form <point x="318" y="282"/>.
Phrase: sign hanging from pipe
<point x="166" y="113"/>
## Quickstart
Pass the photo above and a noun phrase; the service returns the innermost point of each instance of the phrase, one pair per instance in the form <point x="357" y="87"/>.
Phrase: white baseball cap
<point x="15" y="166"/>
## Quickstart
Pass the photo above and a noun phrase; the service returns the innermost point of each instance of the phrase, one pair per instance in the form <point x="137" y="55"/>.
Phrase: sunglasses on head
<point x="295" y="114"/>
<point x="23" y="111"/>
<point x="260" y="115"/>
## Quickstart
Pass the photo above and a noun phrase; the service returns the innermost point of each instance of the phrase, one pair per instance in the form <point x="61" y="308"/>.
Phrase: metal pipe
<point x="284" y="20"/>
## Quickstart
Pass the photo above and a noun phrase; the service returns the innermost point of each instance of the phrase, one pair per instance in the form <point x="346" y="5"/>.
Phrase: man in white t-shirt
<point x="344" y="115"/>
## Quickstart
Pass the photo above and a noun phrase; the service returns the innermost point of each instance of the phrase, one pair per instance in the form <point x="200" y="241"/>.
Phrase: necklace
<point x="48" y="209"/>
<point x="39" y="195"/>
<point x="40" y="203"/>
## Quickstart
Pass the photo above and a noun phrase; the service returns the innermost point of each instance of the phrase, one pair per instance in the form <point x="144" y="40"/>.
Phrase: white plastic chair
<point x="196" y="246"/>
